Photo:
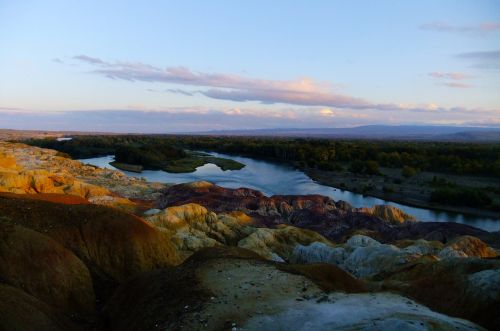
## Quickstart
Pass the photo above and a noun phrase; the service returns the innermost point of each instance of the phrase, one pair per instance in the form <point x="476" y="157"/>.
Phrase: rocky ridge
<point x="335" y="220"/>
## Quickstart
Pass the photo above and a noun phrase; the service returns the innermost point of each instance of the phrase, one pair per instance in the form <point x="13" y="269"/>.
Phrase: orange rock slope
<point x="31" y="170"/>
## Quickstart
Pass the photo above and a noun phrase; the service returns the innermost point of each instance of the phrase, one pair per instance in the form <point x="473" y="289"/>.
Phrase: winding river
<point x="270" y="179"/>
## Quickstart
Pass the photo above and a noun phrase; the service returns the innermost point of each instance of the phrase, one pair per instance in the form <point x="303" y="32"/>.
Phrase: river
<point x="271" y="178"/>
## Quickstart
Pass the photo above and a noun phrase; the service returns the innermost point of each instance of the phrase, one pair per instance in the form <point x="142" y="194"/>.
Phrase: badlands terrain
<point x="84" y="248"/>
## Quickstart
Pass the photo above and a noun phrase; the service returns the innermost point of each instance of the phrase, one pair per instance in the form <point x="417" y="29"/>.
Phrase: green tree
<point x="356" y="166"/>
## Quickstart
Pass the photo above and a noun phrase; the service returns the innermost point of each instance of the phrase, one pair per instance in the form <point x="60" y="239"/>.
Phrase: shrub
<point x="367" y="167"/>
<point x="441" y="182"/>
<point x="367" y="188"/>
<point x="408" y="171"/>
<point x="330" y="166"/>
<point x="388" y="189"/>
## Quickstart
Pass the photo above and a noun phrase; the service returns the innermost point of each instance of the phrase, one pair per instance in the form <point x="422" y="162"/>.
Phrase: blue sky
<point x="164" y="66"/>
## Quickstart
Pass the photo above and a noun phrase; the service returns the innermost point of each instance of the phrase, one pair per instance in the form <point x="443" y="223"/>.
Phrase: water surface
<point x="271" y="178"/>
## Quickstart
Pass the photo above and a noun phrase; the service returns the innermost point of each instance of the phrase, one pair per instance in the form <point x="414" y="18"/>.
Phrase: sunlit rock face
<point x="466" y="246"/>
<point x="388" y="213"/>
<point x="182" y="216"/>
<point x="28" y="170"/>
<point x="31" y="170"/>
<point x="7" y="162"/>
<point x="193" y="227"/>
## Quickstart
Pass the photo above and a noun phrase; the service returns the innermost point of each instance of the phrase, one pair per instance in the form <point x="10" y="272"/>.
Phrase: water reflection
<point x="271" y="179"/>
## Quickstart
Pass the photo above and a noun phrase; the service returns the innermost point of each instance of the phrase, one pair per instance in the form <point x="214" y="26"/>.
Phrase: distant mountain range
<point x="411" y="132"/>
<point x="388" y="132"/>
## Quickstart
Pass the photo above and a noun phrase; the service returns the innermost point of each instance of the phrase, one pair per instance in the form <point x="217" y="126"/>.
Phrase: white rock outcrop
<point x="365" y="257"/>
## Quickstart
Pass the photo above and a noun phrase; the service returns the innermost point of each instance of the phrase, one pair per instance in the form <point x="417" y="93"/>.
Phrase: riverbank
<point x="390" y="185"/>
<point x="414" y="191"/>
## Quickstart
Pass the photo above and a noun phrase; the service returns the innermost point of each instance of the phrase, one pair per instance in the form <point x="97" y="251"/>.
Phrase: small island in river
<point x="186" y="162"/>
<point x="137" y="153"/>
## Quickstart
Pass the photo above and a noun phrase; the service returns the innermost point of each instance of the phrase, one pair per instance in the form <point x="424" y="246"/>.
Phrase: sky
<point x="183" y="66"/>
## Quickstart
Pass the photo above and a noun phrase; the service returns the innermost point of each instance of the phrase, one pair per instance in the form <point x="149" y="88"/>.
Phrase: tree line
<point x="362" y="155"/>
<point x="326" y="154"/>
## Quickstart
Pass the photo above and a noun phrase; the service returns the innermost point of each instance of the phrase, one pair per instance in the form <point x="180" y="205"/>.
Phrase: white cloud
<point x="301" y="92"/>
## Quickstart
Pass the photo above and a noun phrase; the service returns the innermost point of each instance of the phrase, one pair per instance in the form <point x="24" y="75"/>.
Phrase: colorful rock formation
<point x="213" y="258"/>
<point x="32" y="170"/>
<point x="335" y="220"/>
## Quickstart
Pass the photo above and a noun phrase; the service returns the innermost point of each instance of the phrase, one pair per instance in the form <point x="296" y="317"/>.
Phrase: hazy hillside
<point x="377" y="131"/>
